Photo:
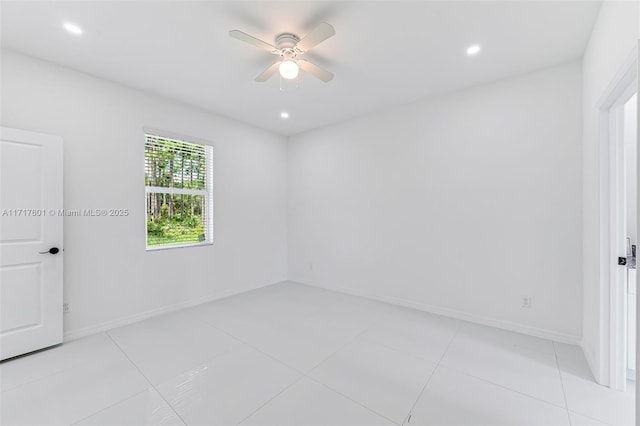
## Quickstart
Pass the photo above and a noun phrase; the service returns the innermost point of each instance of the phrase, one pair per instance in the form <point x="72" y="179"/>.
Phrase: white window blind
<point x="178" y="191"/>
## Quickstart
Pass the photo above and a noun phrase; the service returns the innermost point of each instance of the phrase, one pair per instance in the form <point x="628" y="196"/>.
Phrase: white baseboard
<point x="478" y="319"/>
<point x="105" y="326"/>
<point x="492" y="322"/>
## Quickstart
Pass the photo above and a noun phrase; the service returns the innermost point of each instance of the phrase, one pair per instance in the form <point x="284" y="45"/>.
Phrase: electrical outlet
<point x="66" y="307"/>
<point x="526" y="302"/>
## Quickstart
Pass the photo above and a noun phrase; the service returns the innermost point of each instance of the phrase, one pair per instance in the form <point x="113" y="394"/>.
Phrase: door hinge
<point x="622" y="261"/>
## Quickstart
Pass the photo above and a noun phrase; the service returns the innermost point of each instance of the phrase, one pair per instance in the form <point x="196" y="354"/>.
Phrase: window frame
<point x="207" y="193"/>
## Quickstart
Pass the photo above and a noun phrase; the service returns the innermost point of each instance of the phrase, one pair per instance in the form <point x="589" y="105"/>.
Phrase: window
<point x="178" y="179"/>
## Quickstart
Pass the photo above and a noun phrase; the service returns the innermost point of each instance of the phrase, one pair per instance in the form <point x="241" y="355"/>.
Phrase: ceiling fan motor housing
<point x="287" y="41"/>
<point x="286" y="44"/>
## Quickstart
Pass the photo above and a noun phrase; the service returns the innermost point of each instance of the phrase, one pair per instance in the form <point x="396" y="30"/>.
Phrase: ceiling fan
<point x="289" y="48"/>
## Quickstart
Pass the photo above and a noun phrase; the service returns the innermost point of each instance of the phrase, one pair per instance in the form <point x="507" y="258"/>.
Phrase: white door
<point x="30" y="226"/>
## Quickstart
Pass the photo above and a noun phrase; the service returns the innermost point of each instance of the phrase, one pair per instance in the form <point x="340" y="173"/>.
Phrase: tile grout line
<point x="147" y="379"/>
<point x="413" y="406"/>
<point x="240" y="341"/>
<point x="270" y="399"/>
<point x="356" y="337"/>
<point x="353" y="339"/>
<point x="390" y="348"/>
<point x="306" y="375"/>
<point x="62" y="370"/>
<point x="303" y="374"/>
<point x="385" y="346"/>
<point x="600" y="422"/>
<point x="351" y="399"/>
<point x="505" y="387"/>
<point x="564" y="394"/>
<point x="24" y="356"/>
<point x="508" y="388"/>
<point x="28" y="382"/>
<point x="243" y="342"/>
<point x="109" y="406"/>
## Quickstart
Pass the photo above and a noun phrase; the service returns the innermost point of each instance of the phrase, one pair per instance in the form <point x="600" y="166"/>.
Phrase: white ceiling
<point x="384" y="53"/>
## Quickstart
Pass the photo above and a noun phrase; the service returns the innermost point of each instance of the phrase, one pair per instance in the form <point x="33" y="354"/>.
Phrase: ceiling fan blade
<point x="268" y="73"/>
<point x="237" y="34"/>
<point x="316" y="36"/>
<point x="315" y="70"/>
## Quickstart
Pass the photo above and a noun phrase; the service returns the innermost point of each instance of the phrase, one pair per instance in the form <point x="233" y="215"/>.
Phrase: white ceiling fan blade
<point x="268" y="73"/>
<point x="315" y="70"/>
<point x="316" y="36"/>
<point x="237" y="34"/>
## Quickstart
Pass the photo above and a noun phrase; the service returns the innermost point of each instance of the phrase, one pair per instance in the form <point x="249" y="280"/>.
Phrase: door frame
<point x="611" y="152"/>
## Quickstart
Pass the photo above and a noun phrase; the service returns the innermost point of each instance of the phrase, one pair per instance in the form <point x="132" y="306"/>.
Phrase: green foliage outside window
<point x="175" y="218"/>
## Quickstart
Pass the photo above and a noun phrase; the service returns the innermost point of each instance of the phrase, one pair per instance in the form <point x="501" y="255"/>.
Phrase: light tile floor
<point x="291" y="354"/>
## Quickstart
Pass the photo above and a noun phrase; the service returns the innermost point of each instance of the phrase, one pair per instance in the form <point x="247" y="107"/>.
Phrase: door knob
<point x="52" y="250"/>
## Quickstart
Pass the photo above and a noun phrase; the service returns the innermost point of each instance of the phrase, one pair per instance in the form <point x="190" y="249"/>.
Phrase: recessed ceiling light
<point x="473" y="49"/>
<point x="284" y="114"/>
<point x="72" y="28"/>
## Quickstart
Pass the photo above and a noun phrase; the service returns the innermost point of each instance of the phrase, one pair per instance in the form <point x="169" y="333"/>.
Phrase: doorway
<point x="620" y="121"/>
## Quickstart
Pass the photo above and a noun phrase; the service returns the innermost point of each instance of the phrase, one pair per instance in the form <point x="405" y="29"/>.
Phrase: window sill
<point x="173" y="246"/>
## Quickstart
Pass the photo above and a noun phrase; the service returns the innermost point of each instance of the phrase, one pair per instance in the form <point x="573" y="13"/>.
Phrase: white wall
<point x="460" y="204"/>
<point x="108" y="275"/>
<point x="614" y="37"/>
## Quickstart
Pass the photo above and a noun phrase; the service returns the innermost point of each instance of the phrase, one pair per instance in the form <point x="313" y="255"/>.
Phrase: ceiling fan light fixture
<point x="288" y="69"/>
